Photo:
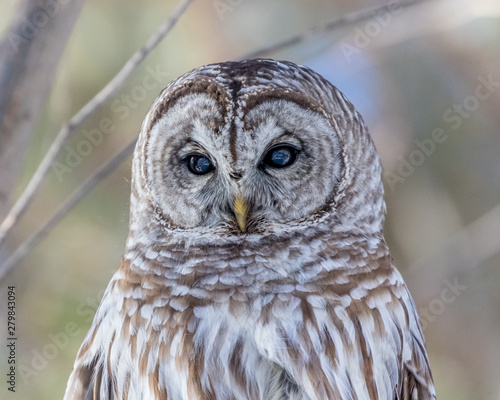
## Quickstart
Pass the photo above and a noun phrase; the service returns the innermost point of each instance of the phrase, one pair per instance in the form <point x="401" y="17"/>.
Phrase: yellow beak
<point x="241" y="212"/>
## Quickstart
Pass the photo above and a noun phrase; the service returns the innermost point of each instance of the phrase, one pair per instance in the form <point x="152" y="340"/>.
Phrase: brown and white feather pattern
<point x="306" y="304"/>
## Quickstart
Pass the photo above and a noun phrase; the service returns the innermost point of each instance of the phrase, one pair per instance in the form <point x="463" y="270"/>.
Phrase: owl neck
<point x="296" y="257"/>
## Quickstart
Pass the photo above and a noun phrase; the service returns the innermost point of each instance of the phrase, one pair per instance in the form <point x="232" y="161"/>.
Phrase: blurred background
<point x="427" y="81"/>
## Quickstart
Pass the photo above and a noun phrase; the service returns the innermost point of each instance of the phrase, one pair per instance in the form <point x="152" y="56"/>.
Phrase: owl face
<point x="277" y="163"/>
<point x="252" y="147"/>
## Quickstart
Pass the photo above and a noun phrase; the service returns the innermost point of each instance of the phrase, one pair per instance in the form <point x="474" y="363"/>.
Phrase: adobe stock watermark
<point x="30" y="27"/>
<point x="59" y="341"/>
<point x="436" y="306"/>
<point x="454" y="117"/>
<point x="362" y="37"/>
<point x="121" y="107"/>
<point x="222" y="7"/>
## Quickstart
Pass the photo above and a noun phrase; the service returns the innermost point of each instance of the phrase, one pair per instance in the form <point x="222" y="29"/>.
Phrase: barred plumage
<point x="294" y="297"/>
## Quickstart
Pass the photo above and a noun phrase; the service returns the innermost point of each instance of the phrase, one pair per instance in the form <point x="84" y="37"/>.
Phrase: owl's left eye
<point x="199" y="164"/>
<point x="280" y="156"/>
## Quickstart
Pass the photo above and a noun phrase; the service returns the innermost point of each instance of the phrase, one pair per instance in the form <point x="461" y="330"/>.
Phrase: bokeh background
<point x="425" y="78"/>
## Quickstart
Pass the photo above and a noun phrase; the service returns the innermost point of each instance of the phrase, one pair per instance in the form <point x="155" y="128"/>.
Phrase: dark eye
<point x="280" y="156"/>
<point x="199" y="164"/>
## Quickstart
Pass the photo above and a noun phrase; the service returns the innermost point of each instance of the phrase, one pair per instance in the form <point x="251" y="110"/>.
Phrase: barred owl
<point x="255" y="266"/>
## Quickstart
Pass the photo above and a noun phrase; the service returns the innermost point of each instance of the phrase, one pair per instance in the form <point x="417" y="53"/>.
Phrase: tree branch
<point x="345" y="20"/>
<point x="78" y="194"/>
<point x="90" y="108"/>
<point x="29" y="52"/>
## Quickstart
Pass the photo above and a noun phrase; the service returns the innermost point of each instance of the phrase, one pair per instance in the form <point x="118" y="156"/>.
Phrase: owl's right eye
<point x="199" y="164"/>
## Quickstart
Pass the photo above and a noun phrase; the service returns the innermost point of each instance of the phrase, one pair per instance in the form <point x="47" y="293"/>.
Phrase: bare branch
<point x="90" y="108"/>
<point x="345" y="20"/>
<point x="29" y="55"/>
<point x="78" y="194"/>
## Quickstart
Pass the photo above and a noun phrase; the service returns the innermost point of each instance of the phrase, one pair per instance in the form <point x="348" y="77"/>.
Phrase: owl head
<point x="254" y="148"/>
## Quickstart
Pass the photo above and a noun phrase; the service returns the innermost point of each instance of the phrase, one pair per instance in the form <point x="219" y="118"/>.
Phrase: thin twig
<point x="78" y="194"/>
<point x="345" y="20"/>
<point x="90" y="108"/>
